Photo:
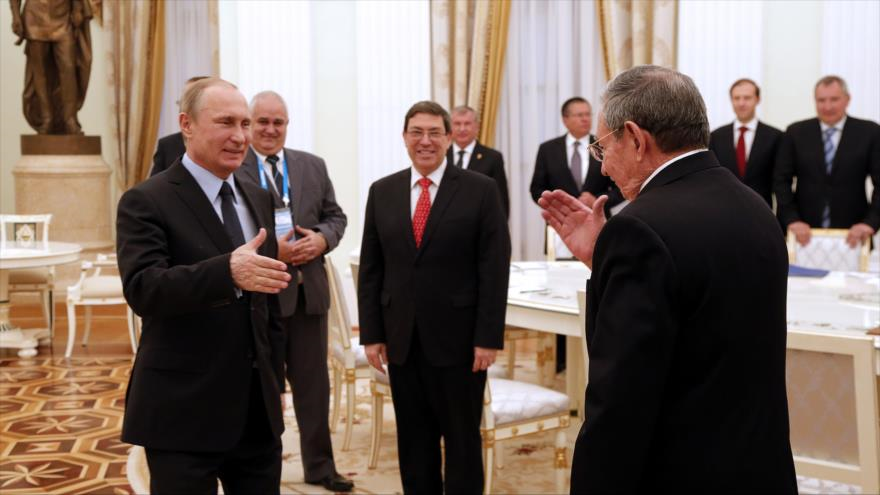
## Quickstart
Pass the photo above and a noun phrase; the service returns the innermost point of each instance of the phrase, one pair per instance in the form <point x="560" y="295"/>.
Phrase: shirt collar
<point x="209" y="182"/>
<point x="838" y="125"/>
<point x="569" y="141"/>
<point x="668" y="163"/>
<point x="435" y="176"/>
<point x="750" y="125"/>
<point x="469" y="149"/>
<point x="262" y="157"/>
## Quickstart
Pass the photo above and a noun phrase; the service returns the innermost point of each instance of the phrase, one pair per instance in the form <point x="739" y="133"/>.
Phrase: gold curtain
<point x="468" y="42"/>
<point x="637" y="32"/>
<point x="137" y="60"/>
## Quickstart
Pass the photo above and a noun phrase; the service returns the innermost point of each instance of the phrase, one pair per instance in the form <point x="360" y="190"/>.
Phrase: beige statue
<point x="59" y="59"/>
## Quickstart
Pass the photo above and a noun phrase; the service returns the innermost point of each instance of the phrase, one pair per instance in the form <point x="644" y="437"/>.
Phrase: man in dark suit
<point x="204" y="393"/>
<point x="434" y="265"/>
<point x="468" y="153"/>
<point x="686" y="320"/>
<point x="750" y="151"/>
<point x="299" y="183"/>
<point x="171" y="147"/>
<point x="831" y="156"/>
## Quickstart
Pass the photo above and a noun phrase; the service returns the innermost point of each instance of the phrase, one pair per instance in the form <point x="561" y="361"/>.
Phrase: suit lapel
<point x="845" y="138"/>
<point x="685" y="166"/>
<point x="818" y="146"/>
<point x="565" y="171"/>
<point x="250" y="192"/>
<point x="445" y="193"/>
<point x="251" y="169"/>
<point x="295" y="182"/>
<point x="727" y="150"/>
<point x="755" y="152"/>
<point x="191" y="194"/>
<point x="401" y="206"/>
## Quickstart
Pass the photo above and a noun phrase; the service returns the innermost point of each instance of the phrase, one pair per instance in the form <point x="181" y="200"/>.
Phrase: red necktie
<point x="741" y="151"/>
<point x="423" y="207"/>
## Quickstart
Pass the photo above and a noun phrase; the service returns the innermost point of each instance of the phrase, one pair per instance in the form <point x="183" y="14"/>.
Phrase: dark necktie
<point x="230" y="218"/>
<point x="460" y="162"/>
<point x="276" y="174"/>
<point x="576" y="166"/>
<point x="741" y="151"/>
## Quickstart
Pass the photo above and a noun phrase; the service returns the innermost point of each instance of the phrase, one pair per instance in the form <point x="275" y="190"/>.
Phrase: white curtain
<point x="266" y="45"/>
<point x="393" y="72"/>
<point x="718" y="43"/>
<point x="553" y="53"/>
<point x="190" y="45"/>
<point x="851" y="50"/>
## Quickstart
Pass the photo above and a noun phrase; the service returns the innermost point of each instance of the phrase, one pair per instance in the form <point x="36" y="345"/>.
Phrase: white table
<point x="57" y="253"/>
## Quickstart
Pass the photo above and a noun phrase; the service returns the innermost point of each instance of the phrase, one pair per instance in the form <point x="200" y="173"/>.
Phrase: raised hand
<point x="576" y="224"/>
<point x="256" y="273"/>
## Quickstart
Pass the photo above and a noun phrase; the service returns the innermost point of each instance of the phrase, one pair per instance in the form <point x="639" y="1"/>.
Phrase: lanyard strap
<point x="285" y="193"/>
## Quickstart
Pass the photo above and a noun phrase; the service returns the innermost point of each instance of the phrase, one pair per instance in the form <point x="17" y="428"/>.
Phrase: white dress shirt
<point x="751" y="128"/>
<point x="211" y="184"/>
<point x="468" y="153"/>
<point x="268" y="170"/>
<point x="835" y="138"/>
<point x="416" y="189"/>
<point x="582" y="151"/>
<point x="668" y="163"/>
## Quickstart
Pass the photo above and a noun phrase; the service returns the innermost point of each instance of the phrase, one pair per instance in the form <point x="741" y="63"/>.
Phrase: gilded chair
<point x="31" y="232"/>
<point x="347" y="357"/>
<point x="828" y="250"/>
<point x="98" y="285"/>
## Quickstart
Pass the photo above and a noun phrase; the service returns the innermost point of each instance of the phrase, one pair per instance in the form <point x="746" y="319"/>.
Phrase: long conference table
<point x="832" y="363"/>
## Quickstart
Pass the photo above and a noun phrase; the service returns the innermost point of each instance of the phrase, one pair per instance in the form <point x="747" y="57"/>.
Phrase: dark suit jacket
<point x="487" y="161"/>
<point x="801" y="154"/>
<point x="552" y="172"/>
<point x="453" y="289"/>
<point x="762" y="156"/>
<point x="686" y="333"/>
<point x="190" y="385"/>
<point x="313" y="205"/>
<point x="169" y="149"/>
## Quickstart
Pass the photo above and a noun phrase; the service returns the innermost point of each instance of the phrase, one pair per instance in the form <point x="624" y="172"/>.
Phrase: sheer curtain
<point x="553" y="53"/>
<point x="191" y="44"/>
<point x="393" y="72"/>
<point x="718" y="43"/>
<point x="266" y="45"/>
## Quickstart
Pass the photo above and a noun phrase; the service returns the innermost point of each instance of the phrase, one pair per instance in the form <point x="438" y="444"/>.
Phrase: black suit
<point x="304" y="306"/>
<point x="169" y="149"/>
<point x="208" y="366"/>
<point x="686" y="333"/>
<point x="487" y="161"/>
<point x="431" y="306"/>
<point x="761" y="157"/>
<point x="552" y="172"/>
<point x="801" y="155"/>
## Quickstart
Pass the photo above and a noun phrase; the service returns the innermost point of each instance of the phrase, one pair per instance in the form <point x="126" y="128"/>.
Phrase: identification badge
<point x="283" y="223"/>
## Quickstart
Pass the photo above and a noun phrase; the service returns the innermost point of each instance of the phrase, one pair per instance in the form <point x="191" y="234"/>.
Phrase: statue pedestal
<point x="66" y="176"/>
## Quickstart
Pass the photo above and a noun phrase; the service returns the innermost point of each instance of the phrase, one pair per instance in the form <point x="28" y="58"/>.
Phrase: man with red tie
<point x="747" y="147"/>
<point x="432" y="291"/>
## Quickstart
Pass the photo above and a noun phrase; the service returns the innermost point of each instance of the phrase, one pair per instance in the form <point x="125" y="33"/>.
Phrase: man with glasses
<point x="432" y="293"/>
<point x="686" y="324"/>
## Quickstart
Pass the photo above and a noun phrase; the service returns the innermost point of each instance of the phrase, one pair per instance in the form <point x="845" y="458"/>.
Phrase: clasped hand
<point x="256" y="273"/>
<point x="309" y="246"/>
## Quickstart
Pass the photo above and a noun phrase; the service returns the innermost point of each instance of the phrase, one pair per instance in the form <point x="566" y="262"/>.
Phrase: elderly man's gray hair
<point x="662" y="101"/>
<point x="268" y="94"/>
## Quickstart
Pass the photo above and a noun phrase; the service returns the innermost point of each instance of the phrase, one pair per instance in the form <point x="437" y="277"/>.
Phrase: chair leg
<point x="561" y="461"/>
<point x="132" y="323"/>
<point x="511" y="358"/>
<point x="499" y="458"/>
<point x="51" y="295"/>
<point x="44" y="298"/>
<point x="549" y="360"/>
<point x="488" y="466"/>
<point x="337" y="397"/>
<point x="71" y="329"/>
<point x="376" y="431"/>
<point x="88" y="325"/>
<point x="349" y="409"/>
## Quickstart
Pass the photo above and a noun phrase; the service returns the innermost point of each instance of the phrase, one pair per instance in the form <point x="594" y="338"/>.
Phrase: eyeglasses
<point x="597" y="151"/>
<point x="418" y="134"/>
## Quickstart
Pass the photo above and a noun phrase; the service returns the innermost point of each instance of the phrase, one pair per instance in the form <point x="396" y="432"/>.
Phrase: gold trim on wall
<point x="499" y="20"/>
<point x="151" y="91"/>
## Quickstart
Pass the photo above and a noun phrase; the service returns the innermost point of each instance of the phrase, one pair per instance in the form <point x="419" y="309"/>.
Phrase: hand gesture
<point x="577" y="224"/>
<point x="308" y="247"/>
<point x="256" y="273"/>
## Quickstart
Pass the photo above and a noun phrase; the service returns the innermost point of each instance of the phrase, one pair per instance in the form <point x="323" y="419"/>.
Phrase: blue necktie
<point x="830" y="150"/>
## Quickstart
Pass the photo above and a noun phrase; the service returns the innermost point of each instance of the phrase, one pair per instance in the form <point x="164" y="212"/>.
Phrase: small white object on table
<point x="56" y="253"/>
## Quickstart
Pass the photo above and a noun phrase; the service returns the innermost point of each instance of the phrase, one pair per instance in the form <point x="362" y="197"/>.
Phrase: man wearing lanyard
<point x="306" y="210"/>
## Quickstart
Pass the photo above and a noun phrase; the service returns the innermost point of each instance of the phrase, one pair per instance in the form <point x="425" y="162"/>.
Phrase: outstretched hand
<point x="576" y="224"/>
<point x="256" y="273"/>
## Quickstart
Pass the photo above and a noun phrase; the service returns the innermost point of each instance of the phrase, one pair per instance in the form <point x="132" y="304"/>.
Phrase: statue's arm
<point x="17" y="26"/>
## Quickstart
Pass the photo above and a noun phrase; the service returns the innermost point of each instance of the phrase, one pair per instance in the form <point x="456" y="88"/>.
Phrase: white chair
<point x="828" y="250"/>
<point x="347" y="356"/>
<point x="31" y="232"/>
<point x="96" y="288"/>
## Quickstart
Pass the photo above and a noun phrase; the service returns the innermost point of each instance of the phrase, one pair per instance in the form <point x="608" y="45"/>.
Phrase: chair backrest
<point x="828" y="250"/>
<point x="550" y="239"/>
<point x="103" y="263"/>
<point x="338" y="321"/>
<point x="25" y="231"/>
